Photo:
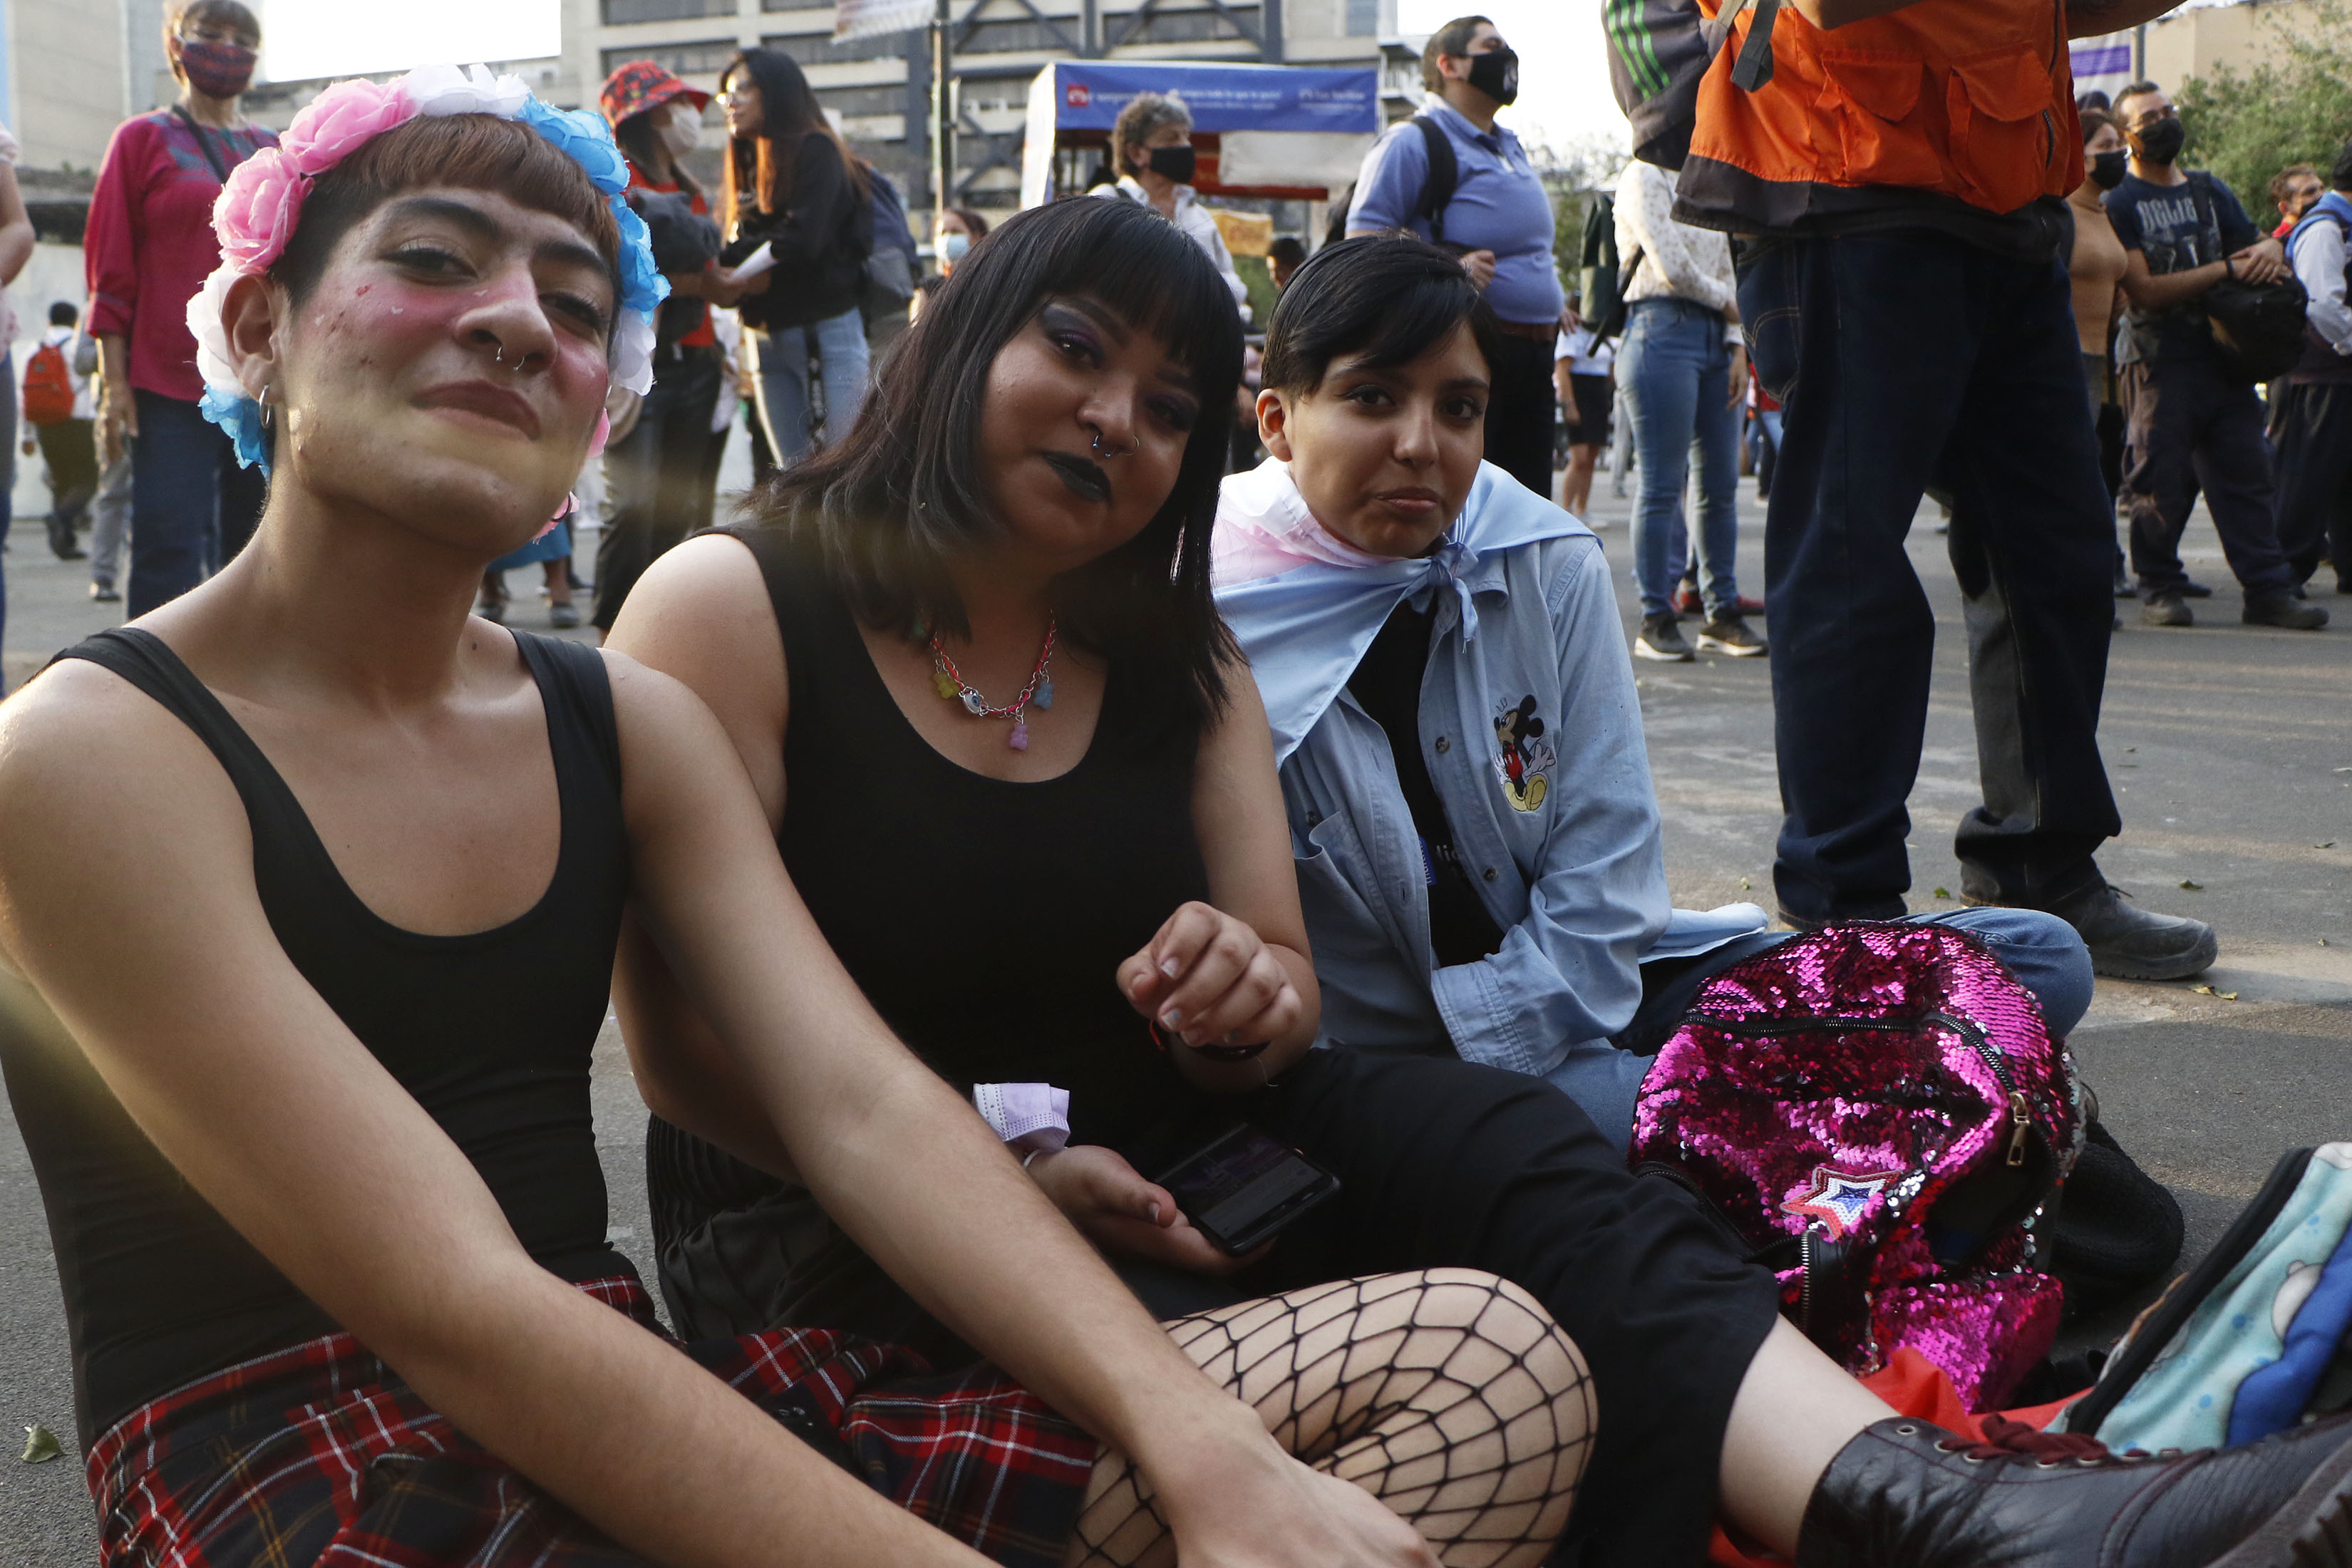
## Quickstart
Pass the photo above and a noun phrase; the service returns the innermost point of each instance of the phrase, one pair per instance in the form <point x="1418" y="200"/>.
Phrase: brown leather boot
<point x="1905" y="1494"/>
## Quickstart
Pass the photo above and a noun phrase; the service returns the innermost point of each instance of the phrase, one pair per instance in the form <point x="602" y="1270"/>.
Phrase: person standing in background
<point x="794" y="189"/>
<point x="109" y="509"/>
<point x="148" y="249"/>
<point x="1685" y="375"/>
<point x="1904" y="299"/>
<point x="62" y="427"/>
<point x="16" y="250"/>
<point x="1581" y="374"/>
<point x="1499" y="216"/>
<point x="1152" y="148"/>
<point x="961" y="228"/>
<point x="2194" y="424"/>
<point x="2095" y="266"/>
<point x="2311" y="419"/>
<point x="2292" y="190"/>
<point x="1283" y="258"/>
<point x="654" y="470"/>
<point x="888" y="300"/>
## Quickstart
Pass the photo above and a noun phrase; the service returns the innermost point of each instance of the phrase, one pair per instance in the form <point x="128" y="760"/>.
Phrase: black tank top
<point x="490" y="1031"/>
<point x="984" y="919"/>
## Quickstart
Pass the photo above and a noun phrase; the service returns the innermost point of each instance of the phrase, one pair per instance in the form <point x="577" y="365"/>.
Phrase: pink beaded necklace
<point x="1039" y="692"/>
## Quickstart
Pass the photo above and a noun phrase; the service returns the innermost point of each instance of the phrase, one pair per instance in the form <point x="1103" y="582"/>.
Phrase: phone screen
<point x="1245" y="1186"/>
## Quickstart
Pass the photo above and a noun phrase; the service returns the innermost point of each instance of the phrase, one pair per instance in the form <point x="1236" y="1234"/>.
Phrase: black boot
<point x="1905" y="1494"/>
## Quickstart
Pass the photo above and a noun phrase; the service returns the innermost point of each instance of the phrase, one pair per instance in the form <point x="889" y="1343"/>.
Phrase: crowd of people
<point x="1020" y="791"/>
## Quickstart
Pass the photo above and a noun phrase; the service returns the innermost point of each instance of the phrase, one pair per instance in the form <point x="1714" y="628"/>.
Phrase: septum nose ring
<point x="1101" y="451"/>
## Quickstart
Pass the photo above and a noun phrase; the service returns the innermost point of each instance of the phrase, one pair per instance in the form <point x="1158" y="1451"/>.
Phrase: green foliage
<point x="1259" y="278"/>
<point x="2294" y="108"/>
<point x="1573" y="173"/>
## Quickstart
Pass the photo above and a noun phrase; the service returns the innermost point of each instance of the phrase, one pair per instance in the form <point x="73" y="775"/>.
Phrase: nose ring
<point x="1101" y="451"/>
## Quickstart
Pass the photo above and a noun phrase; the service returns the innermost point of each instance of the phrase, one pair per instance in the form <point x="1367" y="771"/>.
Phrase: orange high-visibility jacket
<point x="1967" y="98"/>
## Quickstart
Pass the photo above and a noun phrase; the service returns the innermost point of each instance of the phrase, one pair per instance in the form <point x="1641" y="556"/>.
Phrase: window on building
<point x="683" y="59"/>
<point x="820" y="50"/>
<point x="1169" y="26"/>
<point x="794" y="5"/>
<point x="864" y="102"/>
<point x="1364" y="18"/>
<point x="618" y="12"/>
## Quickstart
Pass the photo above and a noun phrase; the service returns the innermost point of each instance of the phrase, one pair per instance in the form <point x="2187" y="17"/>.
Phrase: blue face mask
<point x="953" y="243"/>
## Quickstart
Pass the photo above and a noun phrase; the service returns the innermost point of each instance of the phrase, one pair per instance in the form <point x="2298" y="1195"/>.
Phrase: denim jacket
<point x="1532" y="735"/>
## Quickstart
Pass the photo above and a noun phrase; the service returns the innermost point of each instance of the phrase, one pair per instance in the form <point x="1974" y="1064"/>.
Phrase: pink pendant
<point x="1019" y="740"/>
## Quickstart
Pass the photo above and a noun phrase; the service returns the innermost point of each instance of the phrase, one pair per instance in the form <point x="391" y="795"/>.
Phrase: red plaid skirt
<point x="321" y="1455"/>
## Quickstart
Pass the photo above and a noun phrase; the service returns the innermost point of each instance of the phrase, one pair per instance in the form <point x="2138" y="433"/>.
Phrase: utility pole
<point x="942" y="126"/>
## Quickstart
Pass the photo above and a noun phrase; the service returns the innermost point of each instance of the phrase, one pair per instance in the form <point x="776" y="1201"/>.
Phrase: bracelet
<point x="2229" y="268"/>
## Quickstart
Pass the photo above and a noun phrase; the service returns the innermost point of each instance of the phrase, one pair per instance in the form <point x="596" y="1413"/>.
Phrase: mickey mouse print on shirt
<point x="1523" y="762"/>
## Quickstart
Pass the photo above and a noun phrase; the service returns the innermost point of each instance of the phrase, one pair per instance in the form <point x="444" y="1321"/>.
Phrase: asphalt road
<point x="2233" y="747"/>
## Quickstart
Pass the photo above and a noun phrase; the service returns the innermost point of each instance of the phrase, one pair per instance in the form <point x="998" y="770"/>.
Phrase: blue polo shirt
<point x="1498" y="205"/>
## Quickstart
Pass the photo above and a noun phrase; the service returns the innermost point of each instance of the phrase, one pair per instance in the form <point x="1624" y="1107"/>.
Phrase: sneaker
<point x="1662" y="639"/>
<point x="2192" y="589"/>
<point x="564" y="615"/>
<point x="2167" y="610"/>
<point x="1729" y="635"/>
<point x="2283" y="609"/>
<point x="2133" y="944"/>
<point x="1688" y="603"/>
<point x="493" y="611"/>
<point x="104" y="593"/>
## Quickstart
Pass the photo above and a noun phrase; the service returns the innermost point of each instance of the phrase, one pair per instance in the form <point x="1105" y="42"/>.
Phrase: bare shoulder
<point x="78" y="735"/>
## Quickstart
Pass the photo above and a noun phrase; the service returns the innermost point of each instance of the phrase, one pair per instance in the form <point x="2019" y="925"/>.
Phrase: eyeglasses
<point x="726" y="95"/>
<point x="2154" y="117"/>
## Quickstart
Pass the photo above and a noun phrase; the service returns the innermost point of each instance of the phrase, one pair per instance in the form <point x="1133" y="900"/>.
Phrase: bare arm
<point x="2158" y="292"/>
<point x="16" y="226"/>
<point x="127" y="898"/>
<point x="2089" y="19"/>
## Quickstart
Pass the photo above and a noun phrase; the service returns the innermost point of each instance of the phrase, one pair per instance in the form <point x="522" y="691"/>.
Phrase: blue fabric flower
<point x="643" y="288"/>
<point x="239" y="418"/>
<point x="586" y="138"/>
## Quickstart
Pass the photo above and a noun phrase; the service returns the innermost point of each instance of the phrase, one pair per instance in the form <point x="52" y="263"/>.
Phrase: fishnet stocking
<point x="1450" y="1395"/>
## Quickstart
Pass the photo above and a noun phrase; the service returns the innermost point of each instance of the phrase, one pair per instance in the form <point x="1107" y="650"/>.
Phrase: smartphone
<point x="1243" y="1186"/>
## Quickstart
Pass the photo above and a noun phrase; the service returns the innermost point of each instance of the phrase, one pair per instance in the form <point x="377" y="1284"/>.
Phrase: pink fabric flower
<point x="257" y="209"/>
<point x="336" y="122"/>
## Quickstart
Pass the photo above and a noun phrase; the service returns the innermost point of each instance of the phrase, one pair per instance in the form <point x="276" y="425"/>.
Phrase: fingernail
<point x="1171" y="968"/>
<point x="1152" y="1214"/>
<point x="1172" y="1019"/>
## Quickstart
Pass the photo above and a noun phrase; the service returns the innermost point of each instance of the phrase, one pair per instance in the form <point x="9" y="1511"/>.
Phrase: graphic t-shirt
<point x="2176" y="227"/>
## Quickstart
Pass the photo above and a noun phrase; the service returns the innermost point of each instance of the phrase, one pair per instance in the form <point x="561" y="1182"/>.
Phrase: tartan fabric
<point x="319" y="1455"/>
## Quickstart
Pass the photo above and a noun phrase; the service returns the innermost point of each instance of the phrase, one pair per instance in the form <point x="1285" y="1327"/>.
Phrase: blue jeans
<point x="2041" y="950"/>
<point x="787" y="412"/>
<point x="1676" y="369"/>
<point x="1986" y="404"/>
<point x="192" y="507"/>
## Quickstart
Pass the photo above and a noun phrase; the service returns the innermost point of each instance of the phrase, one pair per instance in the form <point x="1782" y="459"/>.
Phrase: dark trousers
<point x="1444" y="1163"/>
<point x="654" y="475"/>
<point x="2192" y="427"/>
<point x="1519" y="411"/>
<point x="1902" y="361"/>
<point x="2313" y="426"/>
<point x="72" y="452"/>
<point x="192" y="507"/>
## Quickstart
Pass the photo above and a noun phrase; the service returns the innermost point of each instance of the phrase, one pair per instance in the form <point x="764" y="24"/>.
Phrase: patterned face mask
<point x="216" y="70"/>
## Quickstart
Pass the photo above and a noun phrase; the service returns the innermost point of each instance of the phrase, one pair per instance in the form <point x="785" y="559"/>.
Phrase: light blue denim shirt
<point x="1567" y="856"/>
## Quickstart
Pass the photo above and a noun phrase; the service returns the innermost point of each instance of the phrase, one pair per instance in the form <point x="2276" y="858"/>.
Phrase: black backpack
<point x="1658" y="51"/>
<point x="1601" y="274"/>
<point x="2258" y="327"/>
<point x="1436" y="191"/>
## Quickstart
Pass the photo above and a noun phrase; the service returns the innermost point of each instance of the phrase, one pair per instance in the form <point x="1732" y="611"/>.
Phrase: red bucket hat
<point x="641" y="85"/>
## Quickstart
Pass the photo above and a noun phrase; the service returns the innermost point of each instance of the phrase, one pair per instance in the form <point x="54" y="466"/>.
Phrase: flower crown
<point x="262" y="200"/>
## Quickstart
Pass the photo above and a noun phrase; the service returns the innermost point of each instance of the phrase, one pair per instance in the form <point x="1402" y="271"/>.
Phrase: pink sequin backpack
<point x="1877" y="1111"/>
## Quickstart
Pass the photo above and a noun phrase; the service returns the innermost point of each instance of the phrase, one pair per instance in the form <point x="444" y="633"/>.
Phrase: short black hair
<point x="1384" y="300"/>
<point x="63" y="313"/>
<point x="2092" y="99"/>
<point x="1288" y="248"/>
<point x="2134" y="90"/>
<point x="1454" y="38"/>
<point x="887" y="505"/>
<point x="2339" y="172"/>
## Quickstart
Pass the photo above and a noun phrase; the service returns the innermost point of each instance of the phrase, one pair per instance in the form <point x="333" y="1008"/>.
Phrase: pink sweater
<point x="150" y="245"/>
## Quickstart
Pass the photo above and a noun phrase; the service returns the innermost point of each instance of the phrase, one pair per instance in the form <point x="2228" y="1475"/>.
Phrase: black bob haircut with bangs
<point x="888" y="505"/>
<point x="1379" y="300"/>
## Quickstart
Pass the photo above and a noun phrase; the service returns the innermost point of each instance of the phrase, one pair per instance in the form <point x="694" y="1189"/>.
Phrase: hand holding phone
<point x="1245" y="1186"/>
<point x="1114" y="1207"/>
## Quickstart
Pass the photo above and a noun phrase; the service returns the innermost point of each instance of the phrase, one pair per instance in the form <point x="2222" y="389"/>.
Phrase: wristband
<point x="2229" y="268"/>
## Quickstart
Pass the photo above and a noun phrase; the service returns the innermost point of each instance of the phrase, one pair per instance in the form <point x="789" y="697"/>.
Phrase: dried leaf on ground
<point x="2194" y="886"/>
<point x="40" y="1445"/>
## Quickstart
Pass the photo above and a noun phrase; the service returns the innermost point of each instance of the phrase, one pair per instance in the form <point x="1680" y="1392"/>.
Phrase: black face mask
<point x="2161" y="142"/>
<point x="1497" y="74"/>
<point x="1175" y="164"/>
<point x="2107" y="169"/>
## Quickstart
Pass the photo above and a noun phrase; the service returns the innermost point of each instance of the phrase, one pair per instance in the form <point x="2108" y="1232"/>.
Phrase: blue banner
<point x="1088" y="95"/>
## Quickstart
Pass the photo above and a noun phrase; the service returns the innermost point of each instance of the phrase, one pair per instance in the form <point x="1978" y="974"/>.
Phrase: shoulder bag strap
<point x="204" y="142"/>
<point x="1444" y="175"/>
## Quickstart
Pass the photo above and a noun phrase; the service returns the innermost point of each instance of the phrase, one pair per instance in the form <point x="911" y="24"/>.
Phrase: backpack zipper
<point x="2021" y="1118"/>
